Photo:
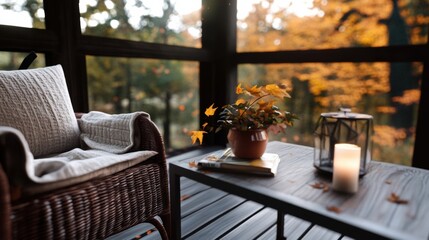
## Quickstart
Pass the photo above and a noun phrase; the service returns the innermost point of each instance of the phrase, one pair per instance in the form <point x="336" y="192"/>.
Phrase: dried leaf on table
<point x="193" y="164"/>
<point x="333" y="209"/>
<point x="321" y="185"/>
<point x="394" y="198"/>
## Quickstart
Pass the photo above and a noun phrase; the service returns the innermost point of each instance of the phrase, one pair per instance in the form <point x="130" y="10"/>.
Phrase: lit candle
<point x="346" y="168"/>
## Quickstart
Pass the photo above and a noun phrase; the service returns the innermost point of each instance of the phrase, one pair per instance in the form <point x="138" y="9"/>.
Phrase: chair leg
<point x="166" y="220"/>
<point x="160" y="228"/>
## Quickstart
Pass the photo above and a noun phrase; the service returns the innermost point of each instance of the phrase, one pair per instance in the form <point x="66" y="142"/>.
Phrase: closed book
<point x="225" y="160"/>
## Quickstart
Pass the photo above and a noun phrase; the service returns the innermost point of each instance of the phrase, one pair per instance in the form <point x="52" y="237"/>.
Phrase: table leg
<point x="176" y="226"/>
<point x="280" y="225"/>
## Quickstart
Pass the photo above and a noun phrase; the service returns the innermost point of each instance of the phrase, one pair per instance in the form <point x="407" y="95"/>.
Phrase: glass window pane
<point x="390" y="92"/>
<point x="12" y="60"/>
<point x="170" y="22"/>
<point x="22" y="13"/>
<point x="272" y="25"/>
<point x="166" y="89"/>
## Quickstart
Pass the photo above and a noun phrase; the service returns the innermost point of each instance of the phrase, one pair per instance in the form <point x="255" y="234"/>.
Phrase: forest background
<point x="169" y="89"/>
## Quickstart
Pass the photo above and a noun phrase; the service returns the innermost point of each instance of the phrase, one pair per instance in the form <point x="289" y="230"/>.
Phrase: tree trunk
<point x="400" y="78"/>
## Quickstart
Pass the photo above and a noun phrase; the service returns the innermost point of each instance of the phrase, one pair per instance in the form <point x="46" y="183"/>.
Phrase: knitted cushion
<point x="37" y="103"/>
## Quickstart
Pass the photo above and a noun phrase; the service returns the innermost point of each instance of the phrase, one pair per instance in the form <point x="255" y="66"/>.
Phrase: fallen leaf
<point x="333" y="209"/>
<point x="192" y="164"/>
<point x="388" y="182"/>
<point x="320" y="185"/>
<point x="184" y="197"/>
<point x="326" y="188"/>
<point x="394" y="198"/>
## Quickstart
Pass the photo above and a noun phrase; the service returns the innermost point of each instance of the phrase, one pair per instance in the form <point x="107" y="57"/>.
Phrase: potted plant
<point x="249" y="119"/>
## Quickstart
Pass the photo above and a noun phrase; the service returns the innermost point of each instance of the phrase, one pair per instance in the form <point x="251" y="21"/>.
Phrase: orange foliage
<point x="388" y="136"/>
<point x="409" y="97"/>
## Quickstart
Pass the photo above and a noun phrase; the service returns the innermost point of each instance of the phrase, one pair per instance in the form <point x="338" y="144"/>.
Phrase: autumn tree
<point x="389" y="91"/>
<point x="131" y="78"/>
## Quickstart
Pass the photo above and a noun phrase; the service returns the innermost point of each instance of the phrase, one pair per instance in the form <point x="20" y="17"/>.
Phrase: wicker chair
<point x="94" y="209"/>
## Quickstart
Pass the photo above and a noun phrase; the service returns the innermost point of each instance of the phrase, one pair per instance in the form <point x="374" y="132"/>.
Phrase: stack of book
<point x="225" y="160"/>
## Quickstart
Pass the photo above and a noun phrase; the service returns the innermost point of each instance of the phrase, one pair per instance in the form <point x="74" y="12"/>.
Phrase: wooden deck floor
<point x="208" y="213"/>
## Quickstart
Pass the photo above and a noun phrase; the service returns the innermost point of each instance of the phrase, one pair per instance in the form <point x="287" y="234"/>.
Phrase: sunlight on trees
<point x="388" y="91"/>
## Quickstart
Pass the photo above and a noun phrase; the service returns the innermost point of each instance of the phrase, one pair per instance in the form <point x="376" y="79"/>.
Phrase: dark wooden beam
<point x="101" y="46"/>
<point x="219" y="77"/>
<point x="63" y="18"/>
<point x="373" y="54"/>
<point x="420" y="156"/>
<point x="20" y="39"/>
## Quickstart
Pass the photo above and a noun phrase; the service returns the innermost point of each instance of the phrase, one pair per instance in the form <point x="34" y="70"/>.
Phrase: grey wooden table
<point x="367" y="214"/>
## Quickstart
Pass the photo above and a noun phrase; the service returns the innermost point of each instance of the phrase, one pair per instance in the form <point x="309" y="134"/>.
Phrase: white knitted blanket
<point x="78" y="162"/>
<point x="110" y="133"/>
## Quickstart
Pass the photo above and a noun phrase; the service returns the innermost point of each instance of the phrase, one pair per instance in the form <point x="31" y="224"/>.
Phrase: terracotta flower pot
<point x="248" y="144"/>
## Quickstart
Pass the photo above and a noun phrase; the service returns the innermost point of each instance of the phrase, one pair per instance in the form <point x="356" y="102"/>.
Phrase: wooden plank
<point x="254" y="226"/>
<point x="209" y="213"/>
<point x="185" y="183"/>
<point x="198" y="201"/>
<point x="270" y="234"/>
<point x="370" y="202"/>
<point x="295" y="227"/>
<point x="321" y="233"/>
<point x="192" y="190"/>
<point x="137" y="232"/>
<point x="417" y="205"/>
<point x="228" y="221"/>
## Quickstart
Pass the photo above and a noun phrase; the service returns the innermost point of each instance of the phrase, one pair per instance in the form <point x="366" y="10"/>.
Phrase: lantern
<point x="342" y="127"/>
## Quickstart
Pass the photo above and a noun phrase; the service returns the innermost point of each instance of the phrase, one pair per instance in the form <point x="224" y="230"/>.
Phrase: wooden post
<point x="218" y="77"/>
<point x="63" y="18"/>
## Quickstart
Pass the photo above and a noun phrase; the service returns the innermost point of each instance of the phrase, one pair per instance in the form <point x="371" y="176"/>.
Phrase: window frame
<point x="63" y="43"/>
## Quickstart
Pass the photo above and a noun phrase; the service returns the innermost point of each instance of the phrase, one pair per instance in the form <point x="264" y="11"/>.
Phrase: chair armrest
<point x="13" y="161"/>
<point x="11" y="151"/>
<point x="147" y="135"/>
